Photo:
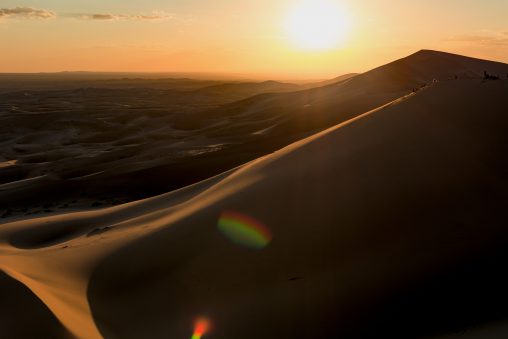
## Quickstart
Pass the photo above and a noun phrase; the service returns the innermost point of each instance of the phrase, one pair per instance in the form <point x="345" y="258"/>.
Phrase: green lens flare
<point x="244" y="230"/>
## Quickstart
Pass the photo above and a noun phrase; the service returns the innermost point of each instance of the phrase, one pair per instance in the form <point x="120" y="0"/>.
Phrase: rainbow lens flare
<point x="201" y="326"/>
<point x="244" y="230"/>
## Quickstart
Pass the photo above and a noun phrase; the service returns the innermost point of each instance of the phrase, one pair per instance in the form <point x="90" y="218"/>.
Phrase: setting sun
<point x="317" y="25"/>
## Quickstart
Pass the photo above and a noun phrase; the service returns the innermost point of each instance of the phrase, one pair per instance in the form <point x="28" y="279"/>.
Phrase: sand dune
<point x="391" y="224"/>
<point x="427" y="167"/>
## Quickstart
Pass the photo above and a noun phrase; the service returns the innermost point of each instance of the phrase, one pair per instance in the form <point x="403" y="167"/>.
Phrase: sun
<point x="317" y="24"/>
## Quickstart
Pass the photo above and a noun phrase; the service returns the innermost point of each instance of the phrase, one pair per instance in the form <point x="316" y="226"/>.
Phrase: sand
<point x="390" y="224"/>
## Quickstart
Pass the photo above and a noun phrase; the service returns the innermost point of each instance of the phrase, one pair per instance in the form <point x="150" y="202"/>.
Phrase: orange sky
<point x="246" y="37"/>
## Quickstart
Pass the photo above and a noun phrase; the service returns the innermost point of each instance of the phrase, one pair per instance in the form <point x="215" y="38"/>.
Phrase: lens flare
<point x="201" y="326"/>
<point x="244" y="230"/>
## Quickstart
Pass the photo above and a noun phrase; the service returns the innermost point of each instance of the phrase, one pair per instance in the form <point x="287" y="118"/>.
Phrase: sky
<point x="242" y="37"/>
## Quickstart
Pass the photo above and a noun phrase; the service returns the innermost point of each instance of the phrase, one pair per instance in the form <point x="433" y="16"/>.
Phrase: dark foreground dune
<point x="389" y="225"/>
<point x="23" y="315"/>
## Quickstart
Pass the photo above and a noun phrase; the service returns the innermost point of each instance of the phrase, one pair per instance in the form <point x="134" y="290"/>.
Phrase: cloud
<point x="36" y="13"/>
<point x="97" y="16"/>
<point x="26" y="12"/>
<point x="111" y="17"/>
<point x="160" y="16"/>
<point x="496" y="39"/>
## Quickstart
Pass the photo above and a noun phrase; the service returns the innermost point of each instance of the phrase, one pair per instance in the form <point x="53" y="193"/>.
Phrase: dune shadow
<point x="47" y="235"/>
<point x="459" y="299"/>
<point x="23" y="315"/>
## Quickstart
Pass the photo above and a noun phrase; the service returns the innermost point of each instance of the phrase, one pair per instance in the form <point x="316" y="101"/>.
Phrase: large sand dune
<point x="389" y="225"/>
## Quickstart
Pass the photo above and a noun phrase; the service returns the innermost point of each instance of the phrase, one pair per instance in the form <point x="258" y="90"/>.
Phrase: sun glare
<point x="317" y="24"/>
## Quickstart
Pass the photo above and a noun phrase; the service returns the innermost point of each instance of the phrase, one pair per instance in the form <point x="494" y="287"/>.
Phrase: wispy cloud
<point x="111" y="17"/>
<point x="26" y="12"/>
<point x="494" y="39"/>
<point x="154" y="16"/>
<point x="95" y="16"/>
<point x="38" y="13"/>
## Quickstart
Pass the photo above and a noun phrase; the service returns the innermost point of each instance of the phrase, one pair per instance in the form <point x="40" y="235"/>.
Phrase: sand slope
<point x="389" y="225"/>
